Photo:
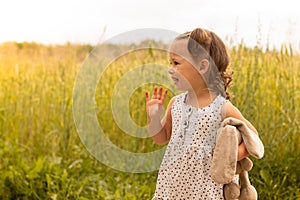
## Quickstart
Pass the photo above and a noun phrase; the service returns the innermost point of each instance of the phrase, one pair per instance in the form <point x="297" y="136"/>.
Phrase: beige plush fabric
<point x="224" y="159"/>
<point x="230" y="135"/>
<point x="252" y="142"/>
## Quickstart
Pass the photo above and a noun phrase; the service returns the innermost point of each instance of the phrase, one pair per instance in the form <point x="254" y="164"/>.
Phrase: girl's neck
<point x="199" y="98"/>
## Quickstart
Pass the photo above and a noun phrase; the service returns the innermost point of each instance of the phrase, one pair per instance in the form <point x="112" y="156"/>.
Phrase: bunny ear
<point x="233" y="122"/>
<point x="224" y="159"/>
<point x="252" y="141"/>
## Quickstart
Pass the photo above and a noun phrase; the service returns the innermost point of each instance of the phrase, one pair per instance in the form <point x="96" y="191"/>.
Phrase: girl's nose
<point x="171" y="70"/>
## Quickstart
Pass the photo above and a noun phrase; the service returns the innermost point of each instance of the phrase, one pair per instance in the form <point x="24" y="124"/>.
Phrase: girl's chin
<point x="178" y="87"/>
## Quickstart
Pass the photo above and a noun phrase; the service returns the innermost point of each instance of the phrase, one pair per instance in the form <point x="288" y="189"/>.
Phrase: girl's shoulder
<point x="231" y="110"/>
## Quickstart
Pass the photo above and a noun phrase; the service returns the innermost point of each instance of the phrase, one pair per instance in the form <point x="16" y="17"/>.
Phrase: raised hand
<point x="154" y="105"/>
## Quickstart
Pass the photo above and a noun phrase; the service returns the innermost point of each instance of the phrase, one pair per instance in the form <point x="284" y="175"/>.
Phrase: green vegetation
<point x="42" y="156"/>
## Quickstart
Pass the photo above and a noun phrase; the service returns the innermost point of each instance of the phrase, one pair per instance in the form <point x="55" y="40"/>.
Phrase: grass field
<point x="42" y="156"/>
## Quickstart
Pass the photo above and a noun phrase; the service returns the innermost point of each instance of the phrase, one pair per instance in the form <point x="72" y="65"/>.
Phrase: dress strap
<point x="223" y="107"/>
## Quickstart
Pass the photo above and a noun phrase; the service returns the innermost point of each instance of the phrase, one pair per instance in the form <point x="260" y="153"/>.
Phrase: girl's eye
<point x="174" y="63"/>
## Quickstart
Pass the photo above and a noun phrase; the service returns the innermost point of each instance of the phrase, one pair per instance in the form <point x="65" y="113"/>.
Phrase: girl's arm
<point x="232" y="111"/>
<point x="160" y="130"/>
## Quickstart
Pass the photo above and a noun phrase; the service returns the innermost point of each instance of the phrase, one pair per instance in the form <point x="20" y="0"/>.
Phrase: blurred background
<point x="57" y="22"/>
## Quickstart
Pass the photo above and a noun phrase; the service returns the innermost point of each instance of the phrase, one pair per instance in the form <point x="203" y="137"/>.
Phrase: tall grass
<point x="268" y="93"/>
<point x="43" y="158"/>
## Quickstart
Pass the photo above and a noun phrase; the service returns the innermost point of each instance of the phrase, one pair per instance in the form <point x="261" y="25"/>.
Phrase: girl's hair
<point x="206" y="44"/>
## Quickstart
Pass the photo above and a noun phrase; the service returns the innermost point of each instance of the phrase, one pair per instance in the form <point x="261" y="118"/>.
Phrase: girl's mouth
<point x="175" y="80"/>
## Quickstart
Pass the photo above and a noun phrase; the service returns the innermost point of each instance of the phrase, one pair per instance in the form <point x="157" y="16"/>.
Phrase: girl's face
<point x="184" y="74"/>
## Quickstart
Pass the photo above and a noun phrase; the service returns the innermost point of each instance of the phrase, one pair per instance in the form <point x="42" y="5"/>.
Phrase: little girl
<point x="199" y="60"/>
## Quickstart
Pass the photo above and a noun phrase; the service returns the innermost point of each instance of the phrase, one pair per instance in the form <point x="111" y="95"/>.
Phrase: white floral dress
<point x="185" y="170"/>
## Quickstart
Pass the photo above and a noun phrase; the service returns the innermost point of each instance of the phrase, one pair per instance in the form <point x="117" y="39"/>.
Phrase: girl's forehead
<point x="179" y="48"/>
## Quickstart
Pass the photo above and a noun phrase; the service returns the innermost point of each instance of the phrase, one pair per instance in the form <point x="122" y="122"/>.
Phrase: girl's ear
<point x="203" y="66"/>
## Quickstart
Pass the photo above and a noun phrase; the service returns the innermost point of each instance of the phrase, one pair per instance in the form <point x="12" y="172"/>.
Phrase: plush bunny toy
<point x="225" y="166"/>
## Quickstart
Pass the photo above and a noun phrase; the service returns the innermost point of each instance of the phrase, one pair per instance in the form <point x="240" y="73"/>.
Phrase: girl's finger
<point x="159" y="93"/>
<point x="154" y="96"/>
<point x="164" y="96"/>
<point x="147" y="96"/>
